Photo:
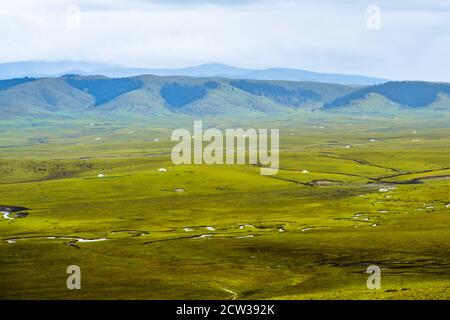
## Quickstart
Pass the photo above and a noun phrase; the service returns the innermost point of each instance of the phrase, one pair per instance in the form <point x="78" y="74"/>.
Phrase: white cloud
<point x="327" y="36"/>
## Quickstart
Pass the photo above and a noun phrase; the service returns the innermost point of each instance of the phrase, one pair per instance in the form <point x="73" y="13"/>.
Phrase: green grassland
<point x="225" y="231"/>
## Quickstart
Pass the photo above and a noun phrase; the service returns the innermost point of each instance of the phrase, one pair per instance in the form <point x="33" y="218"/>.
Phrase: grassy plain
<point x="230" y="233"/>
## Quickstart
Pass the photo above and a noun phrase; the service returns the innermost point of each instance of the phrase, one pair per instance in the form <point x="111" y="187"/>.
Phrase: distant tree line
<point x="104" y="90"/>
<point x="293" y="97"/>
<point x="410" y="93"/>
<point x="5" y="84"/>
<point x="177" y="95"/>
<point x="211" y="84"/>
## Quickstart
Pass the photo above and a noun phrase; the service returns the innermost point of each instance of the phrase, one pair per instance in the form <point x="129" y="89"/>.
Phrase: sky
<point x="394" y="39"/>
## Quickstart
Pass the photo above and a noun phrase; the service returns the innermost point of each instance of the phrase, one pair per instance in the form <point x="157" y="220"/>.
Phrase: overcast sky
<point x="411" y="40"/>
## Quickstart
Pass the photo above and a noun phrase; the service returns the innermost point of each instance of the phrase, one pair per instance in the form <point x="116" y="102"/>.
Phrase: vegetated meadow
<point x="351" y="192"/>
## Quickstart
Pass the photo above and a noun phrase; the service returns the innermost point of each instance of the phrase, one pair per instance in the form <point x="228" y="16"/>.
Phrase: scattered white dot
<point x="91" y="240"/>
<point x="248" y="236"/>
<point x="204" y="236"/>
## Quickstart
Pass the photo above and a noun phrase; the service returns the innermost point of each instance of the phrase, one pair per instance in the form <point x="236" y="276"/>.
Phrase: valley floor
<point x="226" y="232"/>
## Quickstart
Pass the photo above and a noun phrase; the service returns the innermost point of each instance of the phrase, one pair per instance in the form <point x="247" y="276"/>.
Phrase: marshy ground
<point x="345" y="198"/>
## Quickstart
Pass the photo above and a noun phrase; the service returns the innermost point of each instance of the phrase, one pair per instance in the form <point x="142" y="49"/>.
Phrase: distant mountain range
<point x="54" y="69"/>
<point x="75" y="95"/>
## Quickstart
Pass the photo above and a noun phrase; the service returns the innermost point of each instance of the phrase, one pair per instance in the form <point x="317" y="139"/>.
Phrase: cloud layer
<point x="413" y="41"/>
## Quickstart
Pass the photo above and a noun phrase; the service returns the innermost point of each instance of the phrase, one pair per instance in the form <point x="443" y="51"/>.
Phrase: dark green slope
<point x="6" y="84"/>
<point x="43" y="96"/>
<point x="75" y="94"/>
<point x="103" y="89"/>
<point x="217" y="96"/>
<point x="411" y="94"/>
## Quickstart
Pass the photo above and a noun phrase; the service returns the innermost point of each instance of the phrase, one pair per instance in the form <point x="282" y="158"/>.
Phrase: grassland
<point x="229" y="233"/>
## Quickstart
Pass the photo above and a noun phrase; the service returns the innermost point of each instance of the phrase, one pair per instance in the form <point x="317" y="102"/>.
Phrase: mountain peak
<point x="215" y="69"/>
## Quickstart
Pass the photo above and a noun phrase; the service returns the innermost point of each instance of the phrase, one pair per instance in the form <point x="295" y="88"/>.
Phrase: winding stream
<point x="6" y="215"/>
<point x="7" y="211"/>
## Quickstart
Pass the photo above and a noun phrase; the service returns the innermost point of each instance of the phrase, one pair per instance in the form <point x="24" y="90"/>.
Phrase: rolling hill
<point x="72" y="94"/>
<point x="75" y="95"/>
<point x="225" y="71"/>
<point x="398" y="94"/>
<point x="52" y="69"/>
<point x="21" y="69"/>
